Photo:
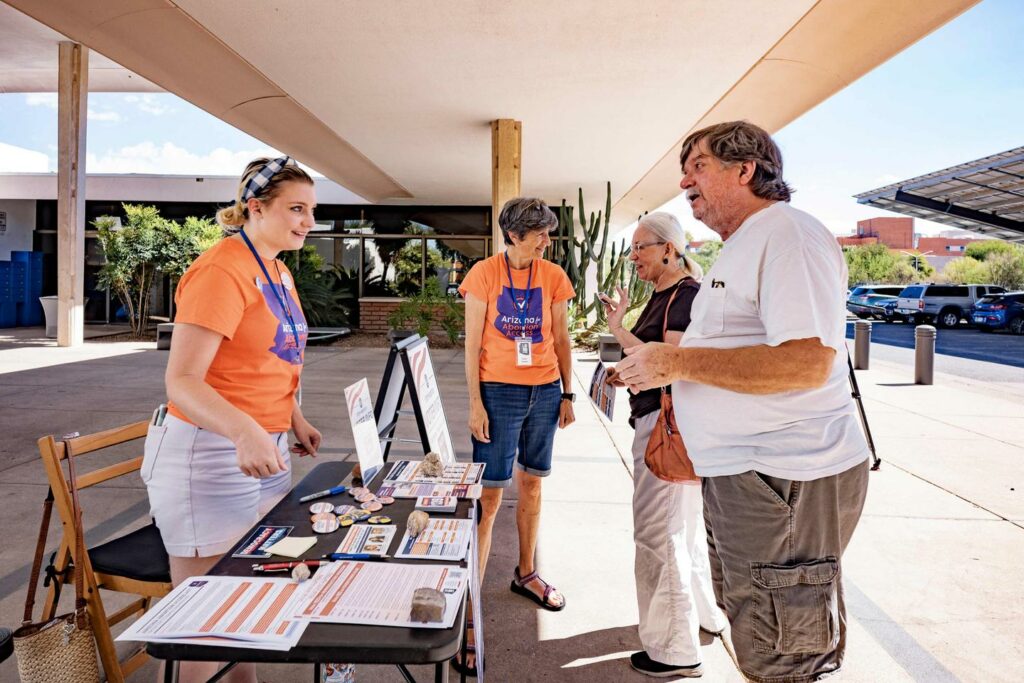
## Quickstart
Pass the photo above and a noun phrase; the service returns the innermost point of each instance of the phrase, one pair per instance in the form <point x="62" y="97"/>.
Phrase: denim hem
<point x="530" y="470"/>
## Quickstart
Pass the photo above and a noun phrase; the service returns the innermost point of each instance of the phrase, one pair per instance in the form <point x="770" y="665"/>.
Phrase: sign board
<point x="427" y="401"/>
<point x="364" y="429"/>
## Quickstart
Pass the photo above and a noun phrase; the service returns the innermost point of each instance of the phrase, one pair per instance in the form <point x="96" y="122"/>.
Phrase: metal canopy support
<point x="959" y="211"/>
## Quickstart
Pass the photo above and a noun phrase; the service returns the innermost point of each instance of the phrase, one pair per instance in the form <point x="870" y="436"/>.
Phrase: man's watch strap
<point x="568" y="397"/>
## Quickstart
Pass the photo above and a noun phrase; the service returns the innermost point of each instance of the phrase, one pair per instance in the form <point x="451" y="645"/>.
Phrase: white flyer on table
<point x="430" y="403"/>
<point x="409" y="490"/>
<point x="378" y="594"/>
<point x="233" y="611"/>
<point x="372" y="539"/>
<point x="364" y="429"/>
<point x="458" y="473"/>
<point x="443" y="539"/>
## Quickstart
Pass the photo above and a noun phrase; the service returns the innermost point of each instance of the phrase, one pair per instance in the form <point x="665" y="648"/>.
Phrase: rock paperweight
<point x="432" y="465"/>
<point x="427" y="605"/>
<point x="300" y="573"/>
<point x="417" y="522"/>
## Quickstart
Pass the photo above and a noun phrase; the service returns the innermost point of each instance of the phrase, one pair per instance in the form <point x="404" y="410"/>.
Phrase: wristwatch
<point x="568" y="397"/>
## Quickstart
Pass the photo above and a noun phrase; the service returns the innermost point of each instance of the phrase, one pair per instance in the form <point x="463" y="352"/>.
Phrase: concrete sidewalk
<point x="933" y="575"/>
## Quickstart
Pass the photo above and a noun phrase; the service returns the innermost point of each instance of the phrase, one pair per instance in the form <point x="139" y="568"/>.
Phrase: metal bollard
<point x="924" y="354"/>
<point x="861" y="344"/>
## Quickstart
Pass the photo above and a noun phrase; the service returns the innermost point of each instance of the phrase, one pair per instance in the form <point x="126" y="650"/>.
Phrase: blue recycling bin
<point x="29" y="310"/>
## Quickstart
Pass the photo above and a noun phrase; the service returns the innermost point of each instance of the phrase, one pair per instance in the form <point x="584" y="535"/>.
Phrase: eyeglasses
<point x="640" y="246"/>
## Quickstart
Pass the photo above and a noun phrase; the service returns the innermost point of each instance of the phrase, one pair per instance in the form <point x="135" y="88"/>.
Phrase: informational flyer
<point x="408" y="490"/>
<point x="371" y="539"/>
<point x="457" y="473"/>
<point x="364" y="429"/>
<point x="430" y="403"/>
<point x="602" y="393"/>
<point x="380" y="594"/>
<point x="443" y="539"/>
<point x="230" y="611"/>
<point x="257" y="544"/>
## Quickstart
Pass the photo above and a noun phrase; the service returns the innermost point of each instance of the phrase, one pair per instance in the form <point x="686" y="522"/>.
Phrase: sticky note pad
<point x="293" y="546"/>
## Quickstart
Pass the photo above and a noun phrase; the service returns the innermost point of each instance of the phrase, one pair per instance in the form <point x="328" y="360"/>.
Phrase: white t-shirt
<point x="780" y="276"/>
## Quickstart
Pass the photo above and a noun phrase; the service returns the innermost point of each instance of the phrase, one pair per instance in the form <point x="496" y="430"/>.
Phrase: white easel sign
<point x="364" y="429"/>
<point x="430" y="403"/>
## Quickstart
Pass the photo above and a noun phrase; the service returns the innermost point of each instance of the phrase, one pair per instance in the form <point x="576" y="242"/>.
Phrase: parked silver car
<point x="945" y="305"/>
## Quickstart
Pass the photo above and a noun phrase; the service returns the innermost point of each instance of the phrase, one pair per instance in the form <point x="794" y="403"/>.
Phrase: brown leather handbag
<point x="63" y="648"/>
<point x="665" y="455"/>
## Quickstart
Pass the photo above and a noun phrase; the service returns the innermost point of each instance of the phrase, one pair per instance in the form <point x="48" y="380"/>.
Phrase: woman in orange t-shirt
<point x="519" y="373"/>
<point x="220" y="460"/>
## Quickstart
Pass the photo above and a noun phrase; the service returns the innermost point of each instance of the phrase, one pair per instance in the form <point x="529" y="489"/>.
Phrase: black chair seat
<point x="139" y="555"/>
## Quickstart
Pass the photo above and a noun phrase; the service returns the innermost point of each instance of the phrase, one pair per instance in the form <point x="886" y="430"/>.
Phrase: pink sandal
<point x="519" y="586"/>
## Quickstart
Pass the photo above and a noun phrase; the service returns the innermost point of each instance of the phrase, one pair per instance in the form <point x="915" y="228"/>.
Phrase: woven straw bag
<point x="63" y="648"/>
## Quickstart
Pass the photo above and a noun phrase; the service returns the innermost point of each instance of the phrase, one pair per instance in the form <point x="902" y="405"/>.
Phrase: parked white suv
<point x="945" y="305"/>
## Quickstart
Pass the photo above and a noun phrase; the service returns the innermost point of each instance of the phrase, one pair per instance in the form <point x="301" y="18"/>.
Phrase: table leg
<point x="317" y="672"/>
<point x="170" y="671"/>
<point x="441" y="672"/>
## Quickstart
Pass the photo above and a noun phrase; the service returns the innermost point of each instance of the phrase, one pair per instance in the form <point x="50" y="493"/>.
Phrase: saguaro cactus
<point x="577" y="254"/>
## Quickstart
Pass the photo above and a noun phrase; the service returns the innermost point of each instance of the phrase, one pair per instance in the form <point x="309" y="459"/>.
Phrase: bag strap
<point x="76" y="510"/>
<point x="37" y="562"/>
<point x="664" y="322"/>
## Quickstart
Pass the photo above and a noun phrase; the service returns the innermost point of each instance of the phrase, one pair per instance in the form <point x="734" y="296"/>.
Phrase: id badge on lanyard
<point x="523" y="341"/>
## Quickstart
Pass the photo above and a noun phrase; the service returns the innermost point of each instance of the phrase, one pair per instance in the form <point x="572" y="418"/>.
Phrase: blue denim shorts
<point x="522" y="421"/>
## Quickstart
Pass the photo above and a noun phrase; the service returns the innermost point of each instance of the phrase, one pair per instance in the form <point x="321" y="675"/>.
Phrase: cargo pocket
<point x="796" y="609"/>
<point x="154" y="439"/>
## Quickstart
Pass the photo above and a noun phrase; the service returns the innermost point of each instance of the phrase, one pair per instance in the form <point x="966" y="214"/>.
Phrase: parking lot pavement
<point x="963" y="342"/>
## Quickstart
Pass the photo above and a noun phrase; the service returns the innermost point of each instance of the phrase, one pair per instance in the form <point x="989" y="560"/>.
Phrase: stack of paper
<point x="443" y="539"/>
<point x="229" y="611"/>
<point x="409" y="471"/>
<point x="411" y="490"/>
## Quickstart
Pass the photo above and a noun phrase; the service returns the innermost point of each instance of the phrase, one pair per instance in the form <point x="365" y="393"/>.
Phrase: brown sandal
<point x="519" y="586"/>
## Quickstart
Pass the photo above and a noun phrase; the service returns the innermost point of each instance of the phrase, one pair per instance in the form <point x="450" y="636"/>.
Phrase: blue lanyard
<point x="281" y="299"/>
<point x="526" y="295"/>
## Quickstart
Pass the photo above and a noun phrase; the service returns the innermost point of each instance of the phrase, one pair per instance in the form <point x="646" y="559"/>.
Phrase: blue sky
<point x="956" y="95"/>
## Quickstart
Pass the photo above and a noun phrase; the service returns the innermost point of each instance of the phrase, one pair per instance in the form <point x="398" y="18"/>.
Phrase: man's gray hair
<point x="738" y="141"/>
<point x="666" y="228"/>
<point x="525" y="214"/>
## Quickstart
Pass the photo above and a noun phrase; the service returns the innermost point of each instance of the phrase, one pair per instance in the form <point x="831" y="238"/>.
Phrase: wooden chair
<point x="135" y="563"/>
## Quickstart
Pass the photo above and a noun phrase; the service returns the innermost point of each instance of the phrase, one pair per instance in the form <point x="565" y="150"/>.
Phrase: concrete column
<point x="72" y="104"/>
<point x="861" y="344"/>
<point x="924" y="354"/>
<point x="506" y="171"/>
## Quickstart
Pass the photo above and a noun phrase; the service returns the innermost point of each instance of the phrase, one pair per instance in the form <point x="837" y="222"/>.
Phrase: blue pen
<point x="323" y="494"/>
<point x="354" y="556"/>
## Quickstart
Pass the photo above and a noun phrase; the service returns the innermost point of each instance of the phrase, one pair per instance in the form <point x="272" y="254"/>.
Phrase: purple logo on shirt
<point x="284" y="339"/>
<point x="511" y="322"/>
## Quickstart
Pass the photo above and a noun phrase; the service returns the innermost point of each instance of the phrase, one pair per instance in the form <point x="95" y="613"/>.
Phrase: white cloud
<point x="169" y="159"/>
<point x="20" y="160"/>
<point x="112" y="116"/>
<point x="156" y="105"/>
<point x="41" y="99"/>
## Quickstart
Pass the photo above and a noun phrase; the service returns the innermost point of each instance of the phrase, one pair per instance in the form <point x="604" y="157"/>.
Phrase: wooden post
<point x="72" y="104"/>
<point x="506" y="171"/>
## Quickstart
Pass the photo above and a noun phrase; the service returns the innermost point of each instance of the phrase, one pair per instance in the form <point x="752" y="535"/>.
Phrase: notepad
<point x="293" y="546"/>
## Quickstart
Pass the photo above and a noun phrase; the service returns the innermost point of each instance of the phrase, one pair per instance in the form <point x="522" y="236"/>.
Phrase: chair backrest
<point x="52" y="453"/>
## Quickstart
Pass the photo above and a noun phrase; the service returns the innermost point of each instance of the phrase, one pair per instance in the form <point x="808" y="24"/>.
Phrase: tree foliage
<point x="876" y="263"/>
<point x="324" y="293"/>
<point x="982" y="249"/>
<point x="988" y="262"/>
<point x="707" y="254"/>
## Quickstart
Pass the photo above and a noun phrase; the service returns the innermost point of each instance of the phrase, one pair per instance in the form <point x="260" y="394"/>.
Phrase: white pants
<point x="200" y="499"/>
<point x="673" y="574"/>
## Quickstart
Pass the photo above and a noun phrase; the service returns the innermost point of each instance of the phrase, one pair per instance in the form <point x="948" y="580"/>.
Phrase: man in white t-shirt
<point x="759" y="386"/>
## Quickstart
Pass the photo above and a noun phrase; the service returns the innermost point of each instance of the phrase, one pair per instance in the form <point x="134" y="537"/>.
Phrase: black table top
<point x="333" y="642"/>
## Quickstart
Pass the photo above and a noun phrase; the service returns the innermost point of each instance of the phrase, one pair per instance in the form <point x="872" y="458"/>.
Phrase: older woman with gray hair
<point x="673" y="575"/>
<point x="519" y="375"/>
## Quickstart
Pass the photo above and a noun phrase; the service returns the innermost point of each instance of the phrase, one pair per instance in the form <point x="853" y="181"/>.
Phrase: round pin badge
<point x="326" y="526"/>
<point x="344" y="509"/>
<point x="359" y="514"/>
<point x="286" y="281"/>
<point x="357" y="491"/>
<point x="379" y="519"/>
<point x="346" y="520"/>
<point x="385" y="500"/>
<point x="317" y="508"/>
<point x="372" y="505"/>
<point x="366" y="497"/>
<point x="322" y="516"/>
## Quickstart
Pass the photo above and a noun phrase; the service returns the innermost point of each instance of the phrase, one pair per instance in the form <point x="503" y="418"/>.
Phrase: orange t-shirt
<point x="549" y="285"/>
<point x="256" y="367"/>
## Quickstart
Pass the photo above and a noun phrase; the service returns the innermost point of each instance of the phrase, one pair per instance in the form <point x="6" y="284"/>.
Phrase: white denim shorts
<point x="200" y="499"/>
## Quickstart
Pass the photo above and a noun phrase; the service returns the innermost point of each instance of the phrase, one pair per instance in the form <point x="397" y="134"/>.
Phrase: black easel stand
<point x="876" y="462"/>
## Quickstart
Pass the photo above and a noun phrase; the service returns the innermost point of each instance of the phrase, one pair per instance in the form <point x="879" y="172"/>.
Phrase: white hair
<point x="667" y="229"/>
